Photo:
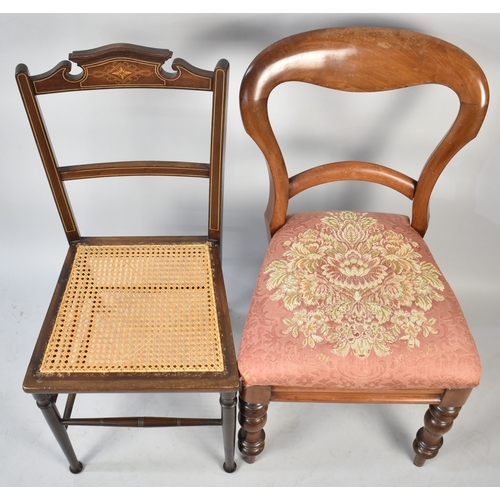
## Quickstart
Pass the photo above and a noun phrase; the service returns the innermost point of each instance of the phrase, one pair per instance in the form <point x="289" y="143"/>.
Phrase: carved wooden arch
<point x="361" y="59"/>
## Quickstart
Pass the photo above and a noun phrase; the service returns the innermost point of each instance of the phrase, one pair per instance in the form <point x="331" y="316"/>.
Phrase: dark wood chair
<point x="134" y="314"/>
<point x="351" y="306"/>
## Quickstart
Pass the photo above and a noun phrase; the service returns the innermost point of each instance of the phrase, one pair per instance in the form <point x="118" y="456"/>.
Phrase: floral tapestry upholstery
<point x="355" y="300"/>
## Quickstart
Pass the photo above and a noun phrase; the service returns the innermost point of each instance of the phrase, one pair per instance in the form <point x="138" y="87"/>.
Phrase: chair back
<point x="361" y="59"/>
<point x="126" y="66"/>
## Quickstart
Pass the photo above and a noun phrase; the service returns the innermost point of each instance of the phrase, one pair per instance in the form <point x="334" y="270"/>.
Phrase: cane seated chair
<point x="134" y="314"/>
<point x="351" y="306"/>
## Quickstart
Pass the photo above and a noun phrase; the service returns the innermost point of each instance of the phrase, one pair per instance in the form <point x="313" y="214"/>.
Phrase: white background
<point x="306" y="444"/>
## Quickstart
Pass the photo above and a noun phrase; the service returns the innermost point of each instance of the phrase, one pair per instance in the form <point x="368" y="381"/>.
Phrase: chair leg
<point x="228" y="406"/>
<point x="49" y="410"/>
<point x="438" y="420"/>
<point x="251" y="437"/>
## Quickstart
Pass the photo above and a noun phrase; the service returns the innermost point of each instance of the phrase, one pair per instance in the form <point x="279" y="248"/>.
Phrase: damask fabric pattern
<point x="355" y="300"/>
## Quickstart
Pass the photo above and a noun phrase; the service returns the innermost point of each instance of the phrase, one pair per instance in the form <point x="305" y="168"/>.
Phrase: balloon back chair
<point x="134" y="314"/>
<point x="351" y="306"/>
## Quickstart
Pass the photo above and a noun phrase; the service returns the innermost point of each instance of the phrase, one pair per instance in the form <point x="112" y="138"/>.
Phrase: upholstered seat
<point x="355" y="301"/>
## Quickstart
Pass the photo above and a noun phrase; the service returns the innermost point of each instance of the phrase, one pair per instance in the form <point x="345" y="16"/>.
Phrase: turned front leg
<point x="49" y="410"/>
<point x="228" y="406"/>
<point x="251" y="437"/>
<point x="437" y="422"/>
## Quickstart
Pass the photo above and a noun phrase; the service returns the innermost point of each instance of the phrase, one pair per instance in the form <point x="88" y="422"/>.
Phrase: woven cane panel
<point x="147" y="308"/>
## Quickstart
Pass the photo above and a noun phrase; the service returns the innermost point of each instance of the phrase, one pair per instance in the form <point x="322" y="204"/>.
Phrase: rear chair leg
<point x="49" y="410"/>
<point x="438" y="420"/>
<point x="228" y="406"/>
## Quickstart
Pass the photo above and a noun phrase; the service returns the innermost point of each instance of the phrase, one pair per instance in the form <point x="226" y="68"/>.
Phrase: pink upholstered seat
<point x="355" y="300"/>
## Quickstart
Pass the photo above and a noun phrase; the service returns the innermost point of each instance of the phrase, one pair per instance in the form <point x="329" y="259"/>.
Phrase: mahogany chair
<point x="134" y="314"/>
<point x="351" y="306"/>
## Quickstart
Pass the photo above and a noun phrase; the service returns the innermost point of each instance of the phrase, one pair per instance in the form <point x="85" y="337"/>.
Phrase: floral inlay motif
<point x="355" y="285"/>
<point x="121" y="72"/>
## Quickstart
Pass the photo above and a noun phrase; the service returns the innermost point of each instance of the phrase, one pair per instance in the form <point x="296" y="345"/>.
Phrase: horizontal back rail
<point x="352" y="170"/>
<point x="128" y="168"/>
